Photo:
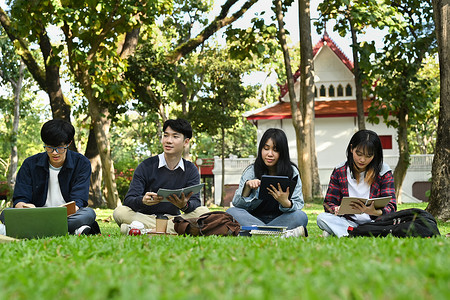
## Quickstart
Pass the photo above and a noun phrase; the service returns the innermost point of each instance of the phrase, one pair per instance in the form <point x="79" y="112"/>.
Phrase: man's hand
<point x="180" y="202"/>
<point x="151" y="199"/>
<point x="24" y="205"/>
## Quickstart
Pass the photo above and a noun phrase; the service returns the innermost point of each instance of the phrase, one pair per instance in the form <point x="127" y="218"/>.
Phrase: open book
<point x="194" y="189"/>
<point x="347" y="209"/>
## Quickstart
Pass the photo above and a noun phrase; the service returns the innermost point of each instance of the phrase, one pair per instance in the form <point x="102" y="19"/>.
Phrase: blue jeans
<point x="290" y="219"/>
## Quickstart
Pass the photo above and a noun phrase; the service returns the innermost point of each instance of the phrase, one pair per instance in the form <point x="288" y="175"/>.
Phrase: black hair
<point x="370" y="143"/>
<point x="57" y="132"/>
<point x="179" y="125"/>
<point x="284" y="164"/>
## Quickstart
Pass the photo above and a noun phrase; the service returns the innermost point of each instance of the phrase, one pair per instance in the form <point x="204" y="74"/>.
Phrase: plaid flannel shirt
<point x="338" y="188"/>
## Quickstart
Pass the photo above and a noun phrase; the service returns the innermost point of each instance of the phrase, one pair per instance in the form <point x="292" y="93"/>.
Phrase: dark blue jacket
<point x="32" y="179"/>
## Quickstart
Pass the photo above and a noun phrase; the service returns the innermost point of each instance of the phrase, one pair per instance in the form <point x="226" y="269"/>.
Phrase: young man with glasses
<point x="168" y="170"/>
<point x="57" y="176"/>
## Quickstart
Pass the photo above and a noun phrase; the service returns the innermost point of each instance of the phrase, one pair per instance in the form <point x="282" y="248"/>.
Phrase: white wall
<point x="332" y="138"/>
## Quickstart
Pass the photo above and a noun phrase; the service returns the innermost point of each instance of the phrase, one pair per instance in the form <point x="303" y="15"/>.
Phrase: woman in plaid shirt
<point x="363" y="175"/>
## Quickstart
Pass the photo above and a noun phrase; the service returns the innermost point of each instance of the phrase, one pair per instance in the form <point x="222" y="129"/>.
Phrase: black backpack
<point x="412" y="222"/>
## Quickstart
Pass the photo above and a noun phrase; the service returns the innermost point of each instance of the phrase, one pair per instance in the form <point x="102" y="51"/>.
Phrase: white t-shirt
<point x="54" y="196"/>
<point x="358" y="189"/>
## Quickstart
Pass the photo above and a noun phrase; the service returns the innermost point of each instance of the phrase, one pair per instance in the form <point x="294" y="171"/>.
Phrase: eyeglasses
<point x="59" y="150"/>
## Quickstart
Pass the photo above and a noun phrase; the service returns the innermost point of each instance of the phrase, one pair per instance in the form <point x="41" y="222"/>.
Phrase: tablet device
<point x="284" y="181"/>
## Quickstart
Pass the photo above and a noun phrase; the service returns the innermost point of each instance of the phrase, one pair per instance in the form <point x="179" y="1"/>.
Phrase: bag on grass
<point x="412" y="222"/>
<point x="211" y="223"/>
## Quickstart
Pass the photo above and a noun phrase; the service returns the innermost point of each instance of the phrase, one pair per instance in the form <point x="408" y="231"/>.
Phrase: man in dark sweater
<point x="167" y="170"/>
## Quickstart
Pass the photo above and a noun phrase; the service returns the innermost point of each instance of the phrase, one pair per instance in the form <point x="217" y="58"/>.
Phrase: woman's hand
<point x="370" y="210"/>
<point x="336" y="210"/>
<point x="253" y="184"/>
<point x="280" y="196"/>
<point x="249" y="186"/>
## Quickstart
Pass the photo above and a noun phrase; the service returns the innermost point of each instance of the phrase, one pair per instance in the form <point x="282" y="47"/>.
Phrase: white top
<point x="357" y="189"/>
<point x="54" y="196"/>
<point x="163" y="163"/>
<point x="361" y="190"/>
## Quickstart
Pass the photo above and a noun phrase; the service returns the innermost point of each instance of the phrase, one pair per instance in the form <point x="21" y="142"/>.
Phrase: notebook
<point x="36" y="222"/>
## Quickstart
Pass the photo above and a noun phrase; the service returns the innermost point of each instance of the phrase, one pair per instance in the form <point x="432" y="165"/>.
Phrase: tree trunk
<point x="95" y="188"/>
<point x="60" y="109"/>
<point x="14" y="156"/>
<point x="307" y="92"/>
<point x="222" y="196"/>
<point x="301" y="131"/>
<point x="302" y="111"/>
<point x="439" y="202"/>
<point x="357" y="73"/>
<point x="403" y="160"/>
<point x="101" y="122"/>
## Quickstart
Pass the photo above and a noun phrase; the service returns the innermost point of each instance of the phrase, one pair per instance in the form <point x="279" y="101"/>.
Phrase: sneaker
<point x="2" y="229"/>
<point x="325" y="234"/>
<point x="124" y="228"/>
<point x="296" y="232"/>
<point x="82" y="230"/>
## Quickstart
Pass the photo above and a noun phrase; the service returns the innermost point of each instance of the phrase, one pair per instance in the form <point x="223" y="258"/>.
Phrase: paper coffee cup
<point x="161" y="223"/>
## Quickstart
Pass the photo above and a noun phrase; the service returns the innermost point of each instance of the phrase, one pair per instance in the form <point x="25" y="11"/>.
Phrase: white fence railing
<point x="233" y="165"/>
<point x="236" y="165"/>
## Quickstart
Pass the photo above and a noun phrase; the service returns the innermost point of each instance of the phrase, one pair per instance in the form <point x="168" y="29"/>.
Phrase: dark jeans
<point x="83" y="216"/>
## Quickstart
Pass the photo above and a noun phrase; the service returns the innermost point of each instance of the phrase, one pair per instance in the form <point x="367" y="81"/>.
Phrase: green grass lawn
<point x="111" y="266"/>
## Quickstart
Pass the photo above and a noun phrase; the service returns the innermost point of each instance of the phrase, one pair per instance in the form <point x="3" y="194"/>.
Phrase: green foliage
<point x="259" y="41"/>
<point x="224" y="267"/>
<point x="397" y="67"/>
<point x="189" y="89"/>
<point x="362" y="14"/>
<point x="31" y="112"/>
<point x="92" y="32"/>
<point x="422" y="137"/>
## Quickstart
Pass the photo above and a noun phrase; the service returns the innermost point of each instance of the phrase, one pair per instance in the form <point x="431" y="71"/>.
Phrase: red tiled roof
<point x="330" y="43"/>
<point x="323" y="109"/>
